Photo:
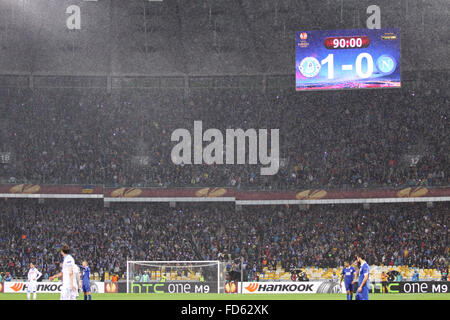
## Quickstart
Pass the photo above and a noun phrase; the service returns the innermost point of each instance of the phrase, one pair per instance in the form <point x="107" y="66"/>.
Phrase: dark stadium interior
<point x="200" y="37"/>
<point x="97" y="106"/>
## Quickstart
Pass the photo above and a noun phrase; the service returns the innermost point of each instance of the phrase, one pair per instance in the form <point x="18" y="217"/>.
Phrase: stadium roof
<point x="176" y="37"/>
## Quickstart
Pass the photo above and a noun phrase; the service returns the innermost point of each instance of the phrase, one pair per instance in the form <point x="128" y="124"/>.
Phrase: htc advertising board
<point x="172" y="287"/>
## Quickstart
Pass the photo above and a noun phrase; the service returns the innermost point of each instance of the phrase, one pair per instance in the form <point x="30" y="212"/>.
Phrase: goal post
<point x="175" y="276"/>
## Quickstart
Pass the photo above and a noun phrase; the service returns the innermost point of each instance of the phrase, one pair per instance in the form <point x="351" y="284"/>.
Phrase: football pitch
<point x="212" y="296"/>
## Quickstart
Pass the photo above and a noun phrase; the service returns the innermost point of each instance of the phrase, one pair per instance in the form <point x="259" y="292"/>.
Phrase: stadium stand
<point x="270" y="240"/>
<point x="88" y="137"/>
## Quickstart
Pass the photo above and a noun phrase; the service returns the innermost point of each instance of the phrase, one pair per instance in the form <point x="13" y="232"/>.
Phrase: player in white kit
<point x="33" y="276"/>
<point x="69" y="288"/>
<point x="77" y="280"/>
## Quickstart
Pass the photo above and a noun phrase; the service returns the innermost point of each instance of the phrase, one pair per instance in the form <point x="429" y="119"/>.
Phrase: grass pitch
<point x="215" y="296"/>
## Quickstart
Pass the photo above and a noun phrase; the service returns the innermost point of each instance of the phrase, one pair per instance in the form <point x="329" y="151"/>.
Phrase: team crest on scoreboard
<point x="309" y="67"/>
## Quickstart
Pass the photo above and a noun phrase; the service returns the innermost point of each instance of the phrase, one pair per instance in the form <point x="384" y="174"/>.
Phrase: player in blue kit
<point x="348" y="275"/>
<point x="363" y="281"/>
<point x="86" y="281"/>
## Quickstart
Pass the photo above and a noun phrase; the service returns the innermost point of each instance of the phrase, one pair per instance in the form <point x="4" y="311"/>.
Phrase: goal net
<point x="175" y="276"/>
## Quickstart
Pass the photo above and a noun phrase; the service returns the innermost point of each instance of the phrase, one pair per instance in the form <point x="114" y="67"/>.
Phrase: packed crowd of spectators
<point x="351" y="139"/>
<point x="259" y="236"/>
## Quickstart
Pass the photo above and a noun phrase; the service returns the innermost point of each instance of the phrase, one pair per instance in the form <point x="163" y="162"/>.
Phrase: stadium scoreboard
<point x="347" y="59"/>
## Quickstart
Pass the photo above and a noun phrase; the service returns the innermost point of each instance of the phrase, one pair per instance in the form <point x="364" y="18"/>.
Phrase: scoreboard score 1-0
<point x="347" y="59"/>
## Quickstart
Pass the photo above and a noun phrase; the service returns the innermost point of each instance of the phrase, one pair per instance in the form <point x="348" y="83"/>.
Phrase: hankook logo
<point x="17" y="286"/>
<point x="287" y="288"/>
<point x="252" y="287"/>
